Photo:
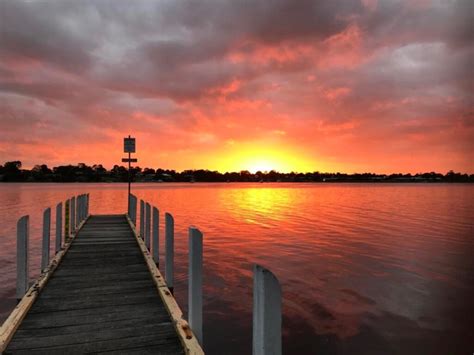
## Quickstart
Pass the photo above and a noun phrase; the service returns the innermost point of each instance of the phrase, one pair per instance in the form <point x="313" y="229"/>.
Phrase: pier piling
<point x="156" y="236"/>
<point x="147" y="225"/>
<point x="169" y="249"/>
<point x="266" y="313"/>
<point x="195" y="282"/>
<point x="142" y="219"/>
<point x="59" y="226"/>
<point x="22" y="275"/>
<point x="72" y="214"/>
<point x="46" y="238"/>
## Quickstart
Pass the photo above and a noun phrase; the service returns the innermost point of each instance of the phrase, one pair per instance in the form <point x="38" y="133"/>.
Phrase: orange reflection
<point x="261" y="206"/>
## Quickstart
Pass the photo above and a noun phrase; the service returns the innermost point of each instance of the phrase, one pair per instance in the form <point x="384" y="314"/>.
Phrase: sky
<point x="352" y="86"/>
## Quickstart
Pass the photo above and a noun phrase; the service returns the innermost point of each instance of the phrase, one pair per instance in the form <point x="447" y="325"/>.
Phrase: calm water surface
<point x="364" y="268"/>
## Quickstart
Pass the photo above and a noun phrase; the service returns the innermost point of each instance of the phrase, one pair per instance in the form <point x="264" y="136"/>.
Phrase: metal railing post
<point x="195" y="282"/>
<point x="59" y="226"/>
<point x="22" y="275"/>
<point x="147" y="225"/>
<point x="169" y="247"/>
<point x="46" y="238"/>
<point x="266" y="313"/>
<point x="156" y="235"/>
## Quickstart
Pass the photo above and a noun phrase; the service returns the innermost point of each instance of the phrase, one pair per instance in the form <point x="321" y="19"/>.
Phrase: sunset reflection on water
<point x="364" y="268"/>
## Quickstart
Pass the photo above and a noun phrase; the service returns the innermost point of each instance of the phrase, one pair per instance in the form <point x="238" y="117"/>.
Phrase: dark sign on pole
<point x="129" y="145"/>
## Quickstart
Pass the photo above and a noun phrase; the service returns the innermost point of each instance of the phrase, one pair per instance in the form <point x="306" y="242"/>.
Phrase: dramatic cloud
<point x="368" y="85"/>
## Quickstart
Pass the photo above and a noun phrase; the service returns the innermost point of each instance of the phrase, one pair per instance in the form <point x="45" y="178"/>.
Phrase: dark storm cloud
<point x="39" y="31"/>
<point x="330" y="66"/>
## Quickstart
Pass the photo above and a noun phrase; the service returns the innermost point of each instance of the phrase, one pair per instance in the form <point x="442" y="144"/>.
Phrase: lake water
<point x="364" y="268"/>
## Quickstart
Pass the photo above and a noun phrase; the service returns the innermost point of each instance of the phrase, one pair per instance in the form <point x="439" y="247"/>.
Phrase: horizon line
<point x="243" y="170"/>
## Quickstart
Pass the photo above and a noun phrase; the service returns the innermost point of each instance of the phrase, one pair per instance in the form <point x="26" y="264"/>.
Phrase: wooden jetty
<point x="103" y="292"/>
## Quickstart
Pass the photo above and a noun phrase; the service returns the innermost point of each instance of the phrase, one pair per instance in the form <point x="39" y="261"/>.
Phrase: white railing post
<point x="156" y="236"/>
<point x="22" y="275"/>
<point x="266" y="313"/>
<point x="142" y="218"/>
<point x="72" y="214"/>
<point x="169" y="247"/>
<point x="59" y="226"/>
<point x="46" y="238"/>
<point x="195" y="282"/>
<point x="147" y="225"/>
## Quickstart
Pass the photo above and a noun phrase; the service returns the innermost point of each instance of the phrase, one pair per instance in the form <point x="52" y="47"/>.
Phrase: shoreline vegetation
<point x="12" y="172"/>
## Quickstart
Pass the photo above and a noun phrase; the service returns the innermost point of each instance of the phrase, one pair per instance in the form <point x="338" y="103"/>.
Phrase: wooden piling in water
<point x="195" y="282"/>
<point x="142" y="219"/>
<point x="46" y="238"/>
<point x="266" y="313"/>
<point x="59" y="227"/>
<point x="22" y="248"/>
<point x="72" y="213"/>
<point x="169" y="250"/>
<point x="133" y="206"/>
<point x="156" y="235"/>
<point x="147" y="225"/>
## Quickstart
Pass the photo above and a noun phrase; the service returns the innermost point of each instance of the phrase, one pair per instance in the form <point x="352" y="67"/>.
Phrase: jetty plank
<point x="104" y="297"/>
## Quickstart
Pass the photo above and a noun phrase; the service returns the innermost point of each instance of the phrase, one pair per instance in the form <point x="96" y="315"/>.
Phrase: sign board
<point x="129" y="145"/>
<point x="126" y="160"/>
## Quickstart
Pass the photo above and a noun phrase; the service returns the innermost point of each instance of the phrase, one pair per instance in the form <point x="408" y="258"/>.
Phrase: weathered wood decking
<point x="106" y="295"/>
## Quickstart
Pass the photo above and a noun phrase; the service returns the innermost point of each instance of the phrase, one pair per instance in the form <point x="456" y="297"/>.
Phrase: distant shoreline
<point x="12" y="172"/>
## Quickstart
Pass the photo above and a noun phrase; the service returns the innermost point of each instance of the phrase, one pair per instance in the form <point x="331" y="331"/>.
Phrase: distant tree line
<point x="12" y="172"/>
